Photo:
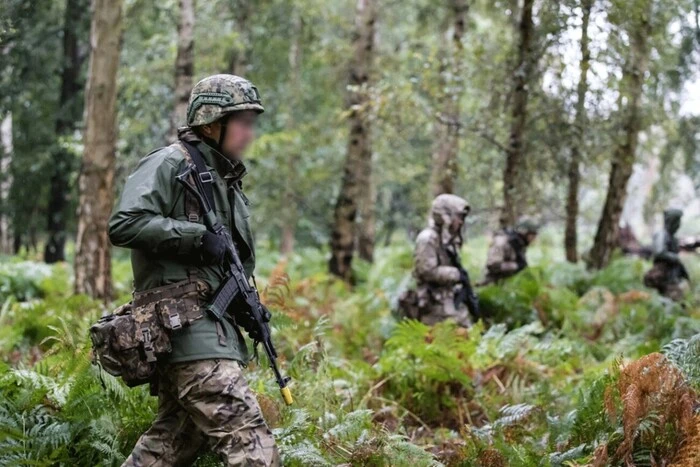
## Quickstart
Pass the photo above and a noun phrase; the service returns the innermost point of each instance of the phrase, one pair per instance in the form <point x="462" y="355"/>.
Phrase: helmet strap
<point x="217" y="144"/>
<point x="222" y="136"/>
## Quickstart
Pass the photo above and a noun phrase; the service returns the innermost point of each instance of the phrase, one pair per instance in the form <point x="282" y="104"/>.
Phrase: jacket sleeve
<point x="500" y="257"/>
<point x="140" y="219"/>
<point x="427" y="267"/>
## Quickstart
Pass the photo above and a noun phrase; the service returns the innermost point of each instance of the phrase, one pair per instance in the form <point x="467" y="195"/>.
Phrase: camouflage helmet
<point x="219" y="95"/>
<point x="527" y="226"/>
<point x="446" y="206"/>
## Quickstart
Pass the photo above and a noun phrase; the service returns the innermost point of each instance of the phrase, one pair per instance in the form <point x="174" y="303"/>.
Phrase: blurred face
<point x="456" y="224"/>
<point x="240" y="132"/>
<point x="530" y="237"/>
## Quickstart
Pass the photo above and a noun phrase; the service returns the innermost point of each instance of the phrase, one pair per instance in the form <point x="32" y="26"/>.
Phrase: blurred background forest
<point x="461" y="96"/>
<point x="584" y="114"/>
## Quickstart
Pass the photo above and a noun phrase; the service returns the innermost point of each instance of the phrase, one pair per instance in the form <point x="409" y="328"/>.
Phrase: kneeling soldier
<point x="203" y="398"/>
<point x="507" y="253"/>
<point x="668" y="275"/>
<point x="440" y="278"/>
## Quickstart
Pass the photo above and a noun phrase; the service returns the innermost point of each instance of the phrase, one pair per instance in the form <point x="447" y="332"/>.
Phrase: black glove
<point x="212" y="249"/>
<point x="247" y="322"/>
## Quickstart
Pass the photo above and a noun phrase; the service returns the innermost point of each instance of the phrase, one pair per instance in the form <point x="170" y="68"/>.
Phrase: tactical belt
<point x="175" y="290"/>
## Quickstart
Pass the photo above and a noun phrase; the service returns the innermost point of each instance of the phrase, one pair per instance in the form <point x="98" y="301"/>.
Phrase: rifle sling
<point x="202" y="172"/>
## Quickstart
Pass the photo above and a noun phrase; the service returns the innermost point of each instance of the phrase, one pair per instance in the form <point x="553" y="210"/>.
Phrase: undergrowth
<point x="572" y="368"/>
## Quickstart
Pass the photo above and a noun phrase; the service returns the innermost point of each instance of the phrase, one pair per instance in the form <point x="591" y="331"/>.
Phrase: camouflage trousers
<point x="438" y="304"/>
<point x="205" y="403"/>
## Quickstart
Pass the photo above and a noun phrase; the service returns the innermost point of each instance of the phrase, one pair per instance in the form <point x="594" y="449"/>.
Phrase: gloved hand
<point x="212" y="249"/>
<point x="247" y="322"/>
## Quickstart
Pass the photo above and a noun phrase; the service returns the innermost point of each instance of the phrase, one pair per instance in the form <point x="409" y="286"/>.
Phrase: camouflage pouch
<point x="129" y="342"/>
<point x="184" y="307"/>
<point x="408" y="306"/>
<point x="119" y="351"/>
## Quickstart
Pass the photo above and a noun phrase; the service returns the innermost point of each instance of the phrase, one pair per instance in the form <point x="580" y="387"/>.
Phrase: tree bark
<point x="184" y="66"/>
<point x="632" y="87"/>
<point x="366" y="226"/>
<point x="512" y="191"/>
<point x="7" y="244"/>
<point x="290" y="215"/>
<point x="570" y="233"/>
<point x="69" y="113"/>
<point x="358" y="161"/>
<point x="240" y="54"/>
<point x="96" y="182"/>
<point x="444" y="170"/>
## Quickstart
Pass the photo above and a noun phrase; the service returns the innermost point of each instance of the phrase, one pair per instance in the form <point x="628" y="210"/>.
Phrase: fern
<point x="513" y="414"/>
<point x="685" y="354"/>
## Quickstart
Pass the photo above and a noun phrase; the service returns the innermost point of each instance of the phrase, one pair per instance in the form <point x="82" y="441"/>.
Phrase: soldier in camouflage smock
<point x="204" y="400"/>
<point x="507" y="252"/>
<point x="437" y="279"/>
<point x="668" y="275"/>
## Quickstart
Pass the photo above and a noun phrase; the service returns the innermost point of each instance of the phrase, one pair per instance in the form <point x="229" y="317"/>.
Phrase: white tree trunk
<point x="6" y="239"/>
<point x="96" y="183"/>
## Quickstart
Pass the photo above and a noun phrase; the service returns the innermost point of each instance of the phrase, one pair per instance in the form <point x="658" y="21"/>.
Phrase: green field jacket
<point x="150" y="219"/>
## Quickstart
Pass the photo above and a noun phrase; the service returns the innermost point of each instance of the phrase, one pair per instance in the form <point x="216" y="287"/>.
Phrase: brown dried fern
<point x="653" y="385"/>
<point x="689" y="454"/>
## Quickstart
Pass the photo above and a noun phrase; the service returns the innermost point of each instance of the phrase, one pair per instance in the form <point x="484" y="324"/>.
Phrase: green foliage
<point x="537" y="388"/>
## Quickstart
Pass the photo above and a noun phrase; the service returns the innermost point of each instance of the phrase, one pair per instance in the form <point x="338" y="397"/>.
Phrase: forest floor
<point x="573" y="368"/>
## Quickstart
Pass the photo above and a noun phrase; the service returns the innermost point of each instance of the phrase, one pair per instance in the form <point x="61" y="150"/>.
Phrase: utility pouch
<point x="408" y="305"/>
<point x="176" y="305"/>
<point x="117" y="347"/>
<point x="129" y="342"/>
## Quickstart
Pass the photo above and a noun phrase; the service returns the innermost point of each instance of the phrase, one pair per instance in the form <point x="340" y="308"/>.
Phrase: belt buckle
<point x="148" y="345"/>
<point x="175" y="322"/>
<point x="206" y="177"/>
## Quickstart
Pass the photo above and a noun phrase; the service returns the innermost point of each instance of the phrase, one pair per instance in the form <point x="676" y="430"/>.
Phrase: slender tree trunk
<point x="366" y="222"/>
<point x="6" y="152"/>
<point x="290" y="215"/>
<point x="69" y="113"/>
<point x="358" y="162"/>
<point x="96" y="183"/>
<point x="240" y="54"/>
<point x="512" y="191"/>
<point x="366" y="226"/>
<point x="184" y="66"/>
<point x="444" y="170"/>
<point x="632" y="87"/>
<point x="570" y="234"/>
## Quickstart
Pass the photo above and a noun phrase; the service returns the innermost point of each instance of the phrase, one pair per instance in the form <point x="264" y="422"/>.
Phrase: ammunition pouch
<point x="409" y="305"/>
<point x="129" y="342"/>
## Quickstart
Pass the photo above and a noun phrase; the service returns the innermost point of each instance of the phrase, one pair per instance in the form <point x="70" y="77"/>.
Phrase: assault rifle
<point x="249" y="311"/>
<point x="689" y="244"/>
<point x="466" y="295"/>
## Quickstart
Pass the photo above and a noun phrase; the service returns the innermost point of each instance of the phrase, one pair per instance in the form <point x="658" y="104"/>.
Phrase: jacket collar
<point x="230" y="170"/>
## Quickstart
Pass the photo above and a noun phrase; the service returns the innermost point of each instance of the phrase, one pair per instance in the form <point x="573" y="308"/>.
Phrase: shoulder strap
<point x="202" y="171"/>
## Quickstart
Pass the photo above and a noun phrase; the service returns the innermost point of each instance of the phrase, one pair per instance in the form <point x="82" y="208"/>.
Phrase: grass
<point x="573" y="368"/>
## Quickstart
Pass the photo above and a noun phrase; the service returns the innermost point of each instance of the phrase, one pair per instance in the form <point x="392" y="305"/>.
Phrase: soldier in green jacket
<point x="204" y="399"/>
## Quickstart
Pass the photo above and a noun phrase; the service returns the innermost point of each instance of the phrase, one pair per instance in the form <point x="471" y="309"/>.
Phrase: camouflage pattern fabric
<point x="437" y="279"/>
<point x="205" y="404"/>
<point x="127" y="343"/>
<point x="219" y="95"/>
<point x="506" y="256"/>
